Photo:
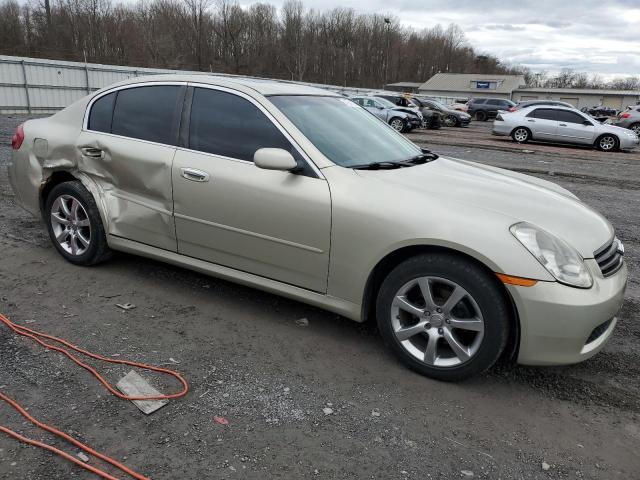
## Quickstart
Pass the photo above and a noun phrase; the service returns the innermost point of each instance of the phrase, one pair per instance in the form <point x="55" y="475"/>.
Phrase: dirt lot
<point x="248" y="360"/>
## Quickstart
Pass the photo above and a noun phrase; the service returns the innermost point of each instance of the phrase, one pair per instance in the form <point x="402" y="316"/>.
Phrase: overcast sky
<point x="595" y="36"/>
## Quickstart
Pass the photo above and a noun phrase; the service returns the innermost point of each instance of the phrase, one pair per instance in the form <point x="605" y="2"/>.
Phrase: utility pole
<point x="387" y="21"/>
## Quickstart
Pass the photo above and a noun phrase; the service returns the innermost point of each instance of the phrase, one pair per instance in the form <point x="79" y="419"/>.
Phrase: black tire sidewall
<point x="97" y="246"/>
<point x="483" y="287"/>
<point x="616" y="142"/>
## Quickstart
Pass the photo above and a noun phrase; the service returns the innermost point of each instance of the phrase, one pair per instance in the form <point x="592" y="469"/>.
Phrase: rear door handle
<point x="563" y="124"/>
<point x="92" y="152"/>
<point x="194" y="175"/>
<point x="532" y="121"/>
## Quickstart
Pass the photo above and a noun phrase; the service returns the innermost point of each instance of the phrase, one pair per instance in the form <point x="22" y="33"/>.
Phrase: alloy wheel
<point x="71" y="225"/>
<point x="450" y="121"/>
<point x="437" y="321"/>
<point x="521" y="135"/>
<point x="607" y="142"/>
<point x="397" y="124"/>
<point x="636" y="129"/>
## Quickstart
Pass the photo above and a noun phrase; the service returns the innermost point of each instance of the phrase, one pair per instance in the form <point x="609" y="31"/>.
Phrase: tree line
<point x="337" y="46"/>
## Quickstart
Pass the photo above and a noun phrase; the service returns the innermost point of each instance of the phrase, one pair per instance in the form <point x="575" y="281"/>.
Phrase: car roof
<point x="551" y="107"/>
<point x="262" y="86"/>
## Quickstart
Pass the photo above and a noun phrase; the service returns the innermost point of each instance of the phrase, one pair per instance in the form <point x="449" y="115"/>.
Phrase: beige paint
<point x="319" y="239"/>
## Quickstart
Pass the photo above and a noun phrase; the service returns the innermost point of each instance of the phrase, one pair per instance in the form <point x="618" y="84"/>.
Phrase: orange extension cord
<point x="37" y="337"/>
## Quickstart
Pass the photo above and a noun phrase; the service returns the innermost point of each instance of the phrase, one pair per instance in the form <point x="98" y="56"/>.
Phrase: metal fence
<point x="33" y="85"/>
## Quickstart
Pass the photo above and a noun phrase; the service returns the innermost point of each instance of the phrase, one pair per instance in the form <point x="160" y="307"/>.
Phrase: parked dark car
<point x="387" y="112"/>
<point x="448" y="116"/>
<point x="600" y="111"/>
<point x="532" y="103"/>
<point x="483" y="109"/>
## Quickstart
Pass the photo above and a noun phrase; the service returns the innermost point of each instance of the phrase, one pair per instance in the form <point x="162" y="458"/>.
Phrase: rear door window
<point x="494" y="102"/>
<point x="228" y="125"/>
<point x="544" y="114"/>
<point x="148" y="113"/>
<point x="102" y="113"/>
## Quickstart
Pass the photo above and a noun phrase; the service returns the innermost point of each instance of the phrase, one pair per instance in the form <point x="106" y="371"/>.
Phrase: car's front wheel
<point x="398" y="124"/>
<point x="607" y="142"/>
<point x="451" y="121"/>
<point x="74" y="224"/>
<point x="443" y="316"/>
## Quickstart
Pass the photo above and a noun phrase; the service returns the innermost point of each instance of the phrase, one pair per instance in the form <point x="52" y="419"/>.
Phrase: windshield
<point x="385" y="103"/>
<point x="344" y="132"/>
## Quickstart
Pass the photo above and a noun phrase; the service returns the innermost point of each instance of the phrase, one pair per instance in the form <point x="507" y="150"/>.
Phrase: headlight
<point x="557" y="256"/>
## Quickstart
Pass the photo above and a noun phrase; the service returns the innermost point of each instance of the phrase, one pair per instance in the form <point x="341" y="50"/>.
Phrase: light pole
<point x="387" y="21"/>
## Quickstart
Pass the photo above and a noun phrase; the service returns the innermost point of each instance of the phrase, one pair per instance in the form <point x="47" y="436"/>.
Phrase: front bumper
<point x="564" y="325"/>
<point x="627" y="142"/>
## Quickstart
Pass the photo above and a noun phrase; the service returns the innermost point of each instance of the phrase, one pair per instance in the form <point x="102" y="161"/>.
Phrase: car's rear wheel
<point x="450" y="121"/>
<point x="398" y="124"/>
<point x="481" y="116"/>
<point x="607" y="142"/>
<point x="635" y="127"/>
<point x="443" y="316"/>
<point x="74" y="224"/>
<point x="521" y="135"/>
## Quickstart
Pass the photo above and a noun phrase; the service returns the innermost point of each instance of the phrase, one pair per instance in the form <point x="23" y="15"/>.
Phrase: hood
<point x="456" y="184"/>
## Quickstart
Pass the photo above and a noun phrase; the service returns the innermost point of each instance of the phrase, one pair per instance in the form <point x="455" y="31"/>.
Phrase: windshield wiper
<point x="425" y="157"/>
<point x="378" y="166"/>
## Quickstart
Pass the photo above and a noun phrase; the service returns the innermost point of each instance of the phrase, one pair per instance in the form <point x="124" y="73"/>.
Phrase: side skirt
<point x="333" y="304"/>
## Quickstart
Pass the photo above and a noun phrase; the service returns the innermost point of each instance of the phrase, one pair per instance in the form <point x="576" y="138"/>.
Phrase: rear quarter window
<point x="102" y="113"/>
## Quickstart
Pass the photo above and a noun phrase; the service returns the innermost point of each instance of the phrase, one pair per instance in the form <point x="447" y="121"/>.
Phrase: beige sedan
<point x="303" y="193"/>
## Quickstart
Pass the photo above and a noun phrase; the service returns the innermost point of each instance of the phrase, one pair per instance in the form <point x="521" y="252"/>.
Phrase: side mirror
<point x="274" y="159"/>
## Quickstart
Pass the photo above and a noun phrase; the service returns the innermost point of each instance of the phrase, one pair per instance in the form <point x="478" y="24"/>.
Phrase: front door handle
<point x="563" y="124"/>
<point x="532" y="121"/>
<point x="194" y="175"/>
<point x="92" y="152"/>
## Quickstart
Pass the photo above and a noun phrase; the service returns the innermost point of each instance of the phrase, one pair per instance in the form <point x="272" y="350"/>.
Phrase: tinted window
<point x="494" y="102"/>
<point x="101" y="113"/>
<point x="544" y="114"/>
<point x="147" y="113"/>
<point x="570" y="117"/>
<point x="478" y="101"/>
<point x="228" y="125"/>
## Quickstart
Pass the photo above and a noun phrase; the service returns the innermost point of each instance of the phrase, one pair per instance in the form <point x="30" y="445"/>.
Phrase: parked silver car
<point x="387" y="112"/>
<point x="564" y="125"/>
<point x="300" y="192"/>
<point x="629" y="118"/>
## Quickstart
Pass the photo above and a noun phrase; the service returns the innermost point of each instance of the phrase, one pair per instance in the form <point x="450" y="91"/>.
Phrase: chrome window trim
<point x="303" y="154"/>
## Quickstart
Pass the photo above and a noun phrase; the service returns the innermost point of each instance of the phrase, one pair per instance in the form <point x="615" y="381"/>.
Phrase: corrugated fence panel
<point x="52" y="84"/>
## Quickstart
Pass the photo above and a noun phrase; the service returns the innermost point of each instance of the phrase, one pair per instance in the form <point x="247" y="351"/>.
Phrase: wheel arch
<point x="61" y="176"/>
<point x="395" y="257"/>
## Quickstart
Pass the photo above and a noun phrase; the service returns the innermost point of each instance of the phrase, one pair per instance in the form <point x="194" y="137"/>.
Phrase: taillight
<point x="18" y="137"/>
<point x="625" y="115"/>
<point x="512" y="109"/>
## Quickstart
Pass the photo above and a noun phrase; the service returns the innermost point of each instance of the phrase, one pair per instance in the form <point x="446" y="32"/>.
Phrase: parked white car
<point x="548" y="123"/>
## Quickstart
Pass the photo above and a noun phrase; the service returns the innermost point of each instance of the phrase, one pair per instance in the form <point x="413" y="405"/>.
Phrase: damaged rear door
<point x="127" y="147"/>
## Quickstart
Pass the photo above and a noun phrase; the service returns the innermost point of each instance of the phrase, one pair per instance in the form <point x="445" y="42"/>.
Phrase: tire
<point x="635" y="127"/>
<point x="74" y="224"/>
<point x="521" y="135"/>
<point x="398" y="124"/>
<point x="451" y="121"/>
<point x="481" y="116"/>
<point x="427" y="348"/>
<point x="607" y="142"/>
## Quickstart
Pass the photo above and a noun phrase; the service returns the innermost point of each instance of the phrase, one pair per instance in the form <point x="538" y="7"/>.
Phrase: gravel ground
<point x="247" y="359"/>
